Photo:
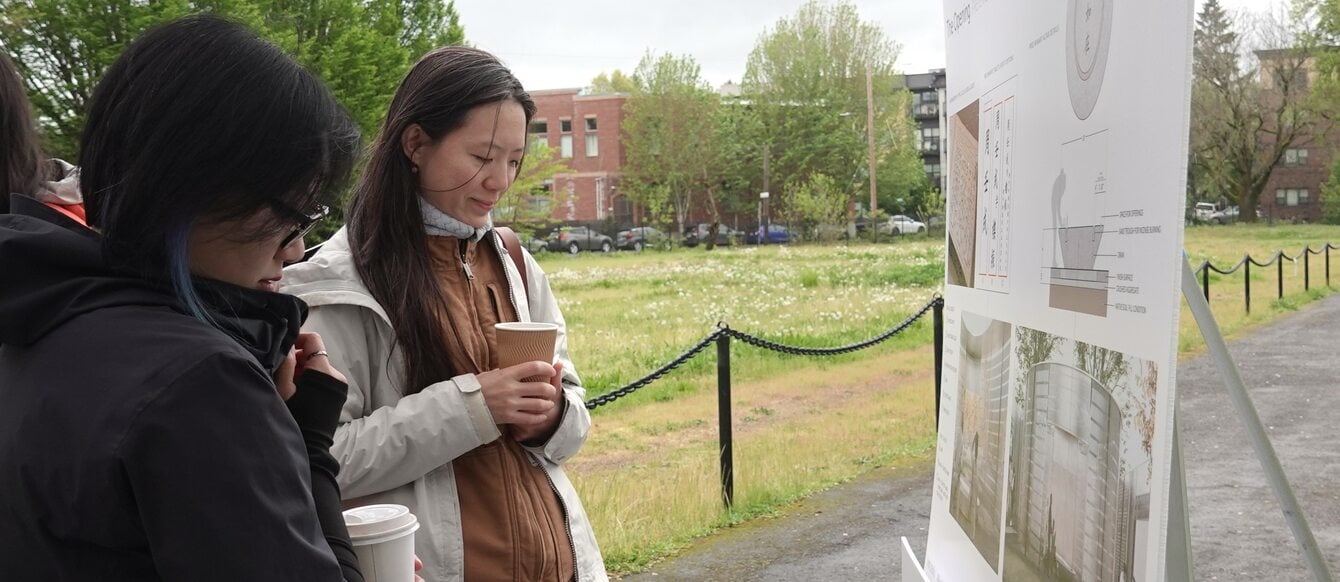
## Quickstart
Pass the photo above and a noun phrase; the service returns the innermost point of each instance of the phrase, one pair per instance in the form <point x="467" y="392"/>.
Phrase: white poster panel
<point x="1066" y="172"/>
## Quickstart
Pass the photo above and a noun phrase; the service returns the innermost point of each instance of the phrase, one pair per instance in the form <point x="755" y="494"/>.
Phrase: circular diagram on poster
<point x="1088" y="38"/>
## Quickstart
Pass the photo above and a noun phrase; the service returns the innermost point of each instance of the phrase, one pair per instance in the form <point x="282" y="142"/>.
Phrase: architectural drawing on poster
<point x="962" y="196"/>
<point x="996" y="188"/>
<point x="976" y="490"/>
<point x="1071" y="245"/>
<point x="1080" y="462"/>
<point x="1062" y="271"/>
<point x="1088" y="38"/>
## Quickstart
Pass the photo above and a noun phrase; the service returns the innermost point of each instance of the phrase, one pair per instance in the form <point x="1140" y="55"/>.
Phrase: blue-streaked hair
<point x="201" y="120"/>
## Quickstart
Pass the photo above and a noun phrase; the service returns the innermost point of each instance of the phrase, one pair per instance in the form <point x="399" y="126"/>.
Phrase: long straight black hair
<point x="386" y="232"/>
<point x="20" y="154"/>
<point x="202" y="120"/>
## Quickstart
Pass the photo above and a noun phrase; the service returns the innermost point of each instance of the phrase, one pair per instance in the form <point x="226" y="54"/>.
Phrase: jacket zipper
<point x="567" y="520"/>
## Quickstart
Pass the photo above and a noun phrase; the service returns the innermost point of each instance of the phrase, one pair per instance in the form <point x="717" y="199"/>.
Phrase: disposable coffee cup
<point x="520" y="342"/>
<point x="383" y="540"/>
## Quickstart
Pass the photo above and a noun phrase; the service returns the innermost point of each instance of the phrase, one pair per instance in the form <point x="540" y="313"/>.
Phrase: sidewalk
<point x="1292" y="369"/>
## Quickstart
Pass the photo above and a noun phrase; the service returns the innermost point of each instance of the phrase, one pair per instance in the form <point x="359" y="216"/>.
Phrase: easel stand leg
<point x="1178" y="565"/>
<point x="1256" y="433"/>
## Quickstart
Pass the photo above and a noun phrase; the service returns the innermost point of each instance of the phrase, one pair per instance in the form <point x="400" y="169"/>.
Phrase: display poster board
<point x="1066" y="123"/>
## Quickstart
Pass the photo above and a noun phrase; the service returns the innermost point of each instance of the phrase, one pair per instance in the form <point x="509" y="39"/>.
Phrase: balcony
<point x="926" y="110"/>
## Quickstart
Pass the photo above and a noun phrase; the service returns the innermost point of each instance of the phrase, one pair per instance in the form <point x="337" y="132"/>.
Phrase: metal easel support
<point x="1179" y="546"/>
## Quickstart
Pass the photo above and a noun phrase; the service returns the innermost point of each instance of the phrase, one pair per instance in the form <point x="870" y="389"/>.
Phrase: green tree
<point x="806" y="79"/>
<point x="674" y="141"/>
<point x="529" y="201"/>
<point x="818" y="203"/>
<point x="361" y="48"/>
<point x="613" y="82"/>
<point x="902" y="183"/>
<point x="1245" y="118"/>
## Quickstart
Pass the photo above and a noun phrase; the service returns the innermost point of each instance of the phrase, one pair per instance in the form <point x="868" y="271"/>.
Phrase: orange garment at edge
<point x="512" y="522"/>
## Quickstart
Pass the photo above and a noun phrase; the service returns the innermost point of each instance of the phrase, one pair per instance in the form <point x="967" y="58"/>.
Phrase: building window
<point x="1295" y="157"/>
<point x="1292" y="196"/>
<point x="592" y="145"/>
<point x="539" y="133"/>
<point x="591" y="123"/>
<point x="565" y="141"/>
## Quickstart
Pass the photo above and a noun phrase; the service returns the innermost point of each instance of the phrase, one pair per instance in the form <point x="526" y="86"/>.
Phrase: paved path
<point x="1291" y="367"/>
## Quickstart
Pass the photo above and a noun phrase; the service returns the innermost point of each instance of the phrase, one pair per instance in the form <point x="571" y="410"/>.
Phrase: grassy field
<point x="648" y="475"/>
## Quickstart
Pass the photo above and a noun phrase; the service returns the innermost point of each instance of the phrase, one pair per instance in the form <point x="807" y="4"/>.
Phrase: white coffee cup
<point x="383" y="539"/>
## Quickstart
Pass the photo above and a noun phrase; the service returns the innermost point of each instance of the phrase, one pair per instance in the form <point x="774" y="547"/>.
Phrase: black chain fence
<point x="1277" y="260"/>
<point x="725" y="330"/>
<point x="722" y="338"/>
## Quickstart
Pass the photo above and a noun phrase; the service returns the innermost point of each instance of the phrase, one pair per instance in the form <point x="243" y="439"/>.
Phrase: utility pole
<point x="765" y="222"/>
<point x="870" y="135"/>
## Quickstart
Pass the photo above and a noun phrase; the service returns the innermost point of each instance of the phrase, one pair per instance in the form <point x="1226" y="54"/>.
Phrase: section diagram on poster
<point x="961" y="207"/>
<point x="996" y="190"/>
<point x="1071" y="245"/>
<point x="976" y="491"/>
<point x="1080" y="462"/>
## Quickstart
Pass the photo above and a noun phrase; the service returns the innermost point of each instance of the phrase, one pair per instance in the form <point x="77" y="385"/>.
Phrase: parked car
<point x="777" y="234"/>
<point x="575" y="239"/>
<point x="900" y="224"/>
<point x="1203" y="211"/>
<point x="638" y="238"/>
<point x="537" y="245"/>
<point x="1225" y="216"/>
<point x="725" y="235"/>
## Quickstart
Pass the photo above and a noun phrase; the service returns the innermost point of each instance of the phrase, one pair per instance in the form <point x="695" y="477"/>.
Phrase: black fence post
<point x="1307" y="272"/>
<point x="1328" y="264"/>
<point x="723" y="419"/>
<point x="1247" y="284"/>
<point x="938" y="318"/>
<point x="1205" y="279"/>
<point x="1279" y="273"/>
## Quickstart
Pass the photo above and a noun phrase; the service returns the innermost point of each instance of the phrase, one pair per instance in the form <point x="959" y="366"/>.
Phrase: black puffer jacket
<point x="137" y="443"/>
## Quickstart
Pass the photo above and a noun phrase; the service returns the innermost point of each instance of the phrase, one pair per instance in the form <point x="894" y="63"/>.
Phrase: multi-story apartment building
<point x="928" y="109"/>
<point x="586" y="130"/>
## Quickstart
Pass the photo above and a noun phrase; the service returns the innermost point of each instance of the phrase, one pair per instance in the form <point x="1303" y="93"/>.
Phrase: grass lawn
<point x="648" y="475"/>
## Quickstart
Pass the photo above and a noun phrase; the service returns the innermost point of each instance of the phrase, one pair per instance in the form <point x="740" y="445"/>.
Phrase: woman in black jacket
<point x="144" y="357"/>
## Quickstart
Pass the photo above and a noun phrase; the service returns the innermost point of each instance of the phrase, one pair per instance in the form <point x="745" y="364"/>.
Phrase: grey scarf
<point x="438" y="223"/>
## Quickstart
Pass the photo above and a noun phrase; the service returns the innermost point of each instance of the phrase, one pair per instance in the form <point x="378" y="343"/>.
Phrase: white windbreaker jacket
<point x="395" y="448"/>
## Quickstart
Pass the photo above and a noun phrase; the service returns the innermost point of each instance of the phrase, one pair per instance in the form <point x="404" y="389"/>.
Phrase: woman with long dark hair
<point x="20" y="155"/>
<point x="162" y="416"/>
<point x="53" y="182"/>
<point x="407" y="296"/>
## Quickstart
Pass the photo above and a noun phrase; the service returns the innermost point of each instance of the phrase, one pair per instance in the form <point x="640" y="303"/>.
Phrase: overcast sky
<point x="564" y="43"/>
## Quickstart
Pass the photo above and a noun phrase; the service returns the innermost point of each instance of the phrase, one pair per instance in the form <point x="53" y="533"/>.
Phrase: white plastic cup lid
<point x="372" y="521"/>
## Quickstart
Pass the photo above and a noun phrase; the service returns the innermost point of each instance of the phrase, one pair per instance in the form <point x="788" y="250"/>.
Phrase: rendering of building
<point x="979" y="445"/>
<point x="1073" y="510"/>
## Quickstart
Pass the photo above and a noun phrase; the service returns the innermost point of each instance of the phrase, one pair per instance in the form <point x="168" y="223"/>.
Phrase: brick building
<point x="1293" y="191"/>
<point x="586" y="130"/>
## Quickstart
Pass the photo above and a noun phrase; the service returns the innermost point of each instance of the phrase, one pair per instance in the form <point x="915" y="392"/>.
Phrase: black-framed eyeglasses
<point x="303" y="222"/>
